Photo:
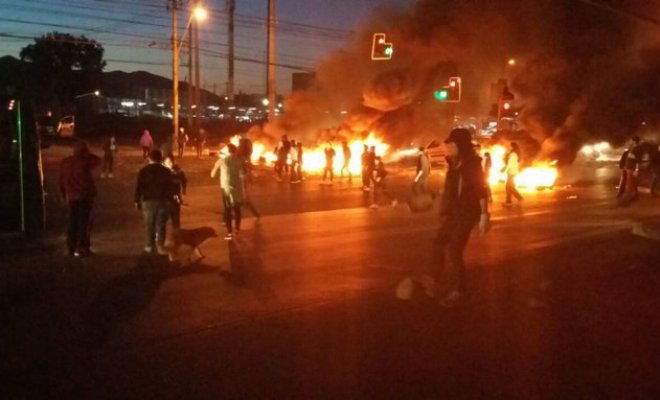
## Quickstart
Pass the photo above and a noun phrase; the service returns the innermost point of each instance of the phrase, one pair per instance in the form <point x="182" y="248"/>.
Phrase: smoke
<point x="583" y="73"/>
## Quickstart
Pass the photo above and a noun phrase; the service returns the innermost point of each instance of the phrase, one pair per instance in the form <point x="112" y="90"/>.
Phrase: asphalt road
<point x="564" y="301"/>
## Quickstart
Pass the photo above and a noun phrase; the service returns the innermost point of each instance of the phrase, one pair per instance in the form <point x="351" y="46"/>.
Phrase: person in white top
<point x="512" y="168"/>
<point x="423" y="171"/>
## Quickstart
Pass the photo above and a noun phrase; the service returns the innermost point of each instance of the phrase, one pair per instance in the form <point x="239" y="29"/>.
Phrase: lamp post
<point x="199" y="14"/>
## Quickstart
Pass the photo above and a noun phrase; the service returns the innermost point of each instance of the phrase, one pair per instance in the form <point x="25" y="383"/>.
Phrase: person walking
<point x="346" y="166"/>
<point x="77" y="189"/>
<point x="329" y="163"/>
<point x="364" y="159"/>
<point x="153" y="192"/>
<point x="293" y="159"/>
<point x="420" y="185"/>
<point x="231" y="185"/>
<point x="512" y="169"/>
<point x="380" y="186"/>
<point x="146" y="143"/>
<point x="464" y="205"/>
<point x="109" y="153"/>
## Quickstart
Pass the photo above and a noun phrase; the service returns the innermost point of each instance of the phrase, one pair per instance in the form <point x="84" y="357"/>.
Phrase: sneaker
<point x="102" y="175"/>
<point x="77" y="254"/>
<point x="428" y="284"/>
<point x="373" y="206"/>
<point x="395" y="203"/>
<point x="110" y="175"/>
<point x="148" y="249"/>
<point x="366" y="189"/>
<point x="452" y="299"/>
<point x="507" y="205"/>
<point x="161" y="251"/>
<point x="404" y="289"/>
<point x="229" y="237"/>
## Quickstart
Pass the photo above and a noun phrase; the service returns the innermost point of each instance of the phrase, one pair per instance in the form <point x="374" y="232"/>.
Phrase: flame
<point x="539" y="175"/>
<point x="314" y="157"/>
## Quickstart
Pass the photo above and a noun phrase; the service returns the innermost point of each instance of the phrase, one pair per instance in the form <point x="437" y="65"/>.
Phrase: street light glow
<point x="97" y="93"/>
<point x="265" y="102"/>
<point x="200" y="13"/>
<point x="512" y="62"/>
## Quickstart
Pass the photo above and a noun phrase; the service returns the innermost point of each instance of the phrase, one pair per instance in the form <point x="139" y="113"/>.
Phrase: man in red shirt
<point x="78" y="191"/>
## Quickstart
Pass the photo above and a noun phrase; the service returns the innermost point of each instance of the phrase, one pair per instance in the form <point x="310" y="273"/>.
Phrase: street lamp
<point x="94" y="93"/>
<point x="512" y="62"/>
<point x="198" y="13"/>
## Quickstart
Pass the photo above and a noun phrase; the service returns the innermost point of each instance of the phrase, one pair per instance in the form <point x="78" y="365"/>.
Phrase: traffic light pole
<point x="175" y="74"/>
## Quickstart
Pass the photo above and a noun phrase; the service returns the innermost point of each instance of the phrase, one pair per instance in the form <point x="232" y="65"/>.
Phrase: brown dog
<point x="186" y="245"/>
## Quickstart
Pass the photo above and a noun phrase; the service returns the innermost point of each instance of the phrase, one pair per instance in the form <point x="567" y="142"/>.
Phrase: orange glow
<point x="539" y="175"/>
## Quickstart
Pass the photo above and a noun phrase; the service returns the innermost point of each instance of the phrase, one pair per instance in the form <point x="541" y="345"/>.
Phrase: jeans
<point x="511" y="190"/>
<point x="450" y="244"/>
<point x="330" y="171"/>
<point x="155" y="218"/>
<point x="232" y="213"/>
<point x="175" y="214"/>
<point x="145" y="152"/>
<point x="78" y="232"/>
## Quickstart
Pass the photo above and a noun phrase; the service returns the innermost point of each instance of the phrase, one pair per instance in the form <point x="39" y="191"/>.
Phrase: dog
<point x="185" y="248"/>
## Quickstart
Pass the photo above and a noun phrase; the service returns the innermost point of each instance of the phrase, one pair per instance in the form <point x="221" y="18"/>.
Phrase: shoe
<point x="229" y="237"/>
<point x="102" y="175"/>
<point x="148" y="249"/>
<point x="373" y="206"/>
<point x="77" y="254"/>
<point x="507" y="205"/>
<point x="395" y="203"/>
<point x="404" y="289"/>
<point x="366" y="189"/>
<point x="161" y="251"/>
<point x="452" y="299"/>
<point x="110" y="175"/>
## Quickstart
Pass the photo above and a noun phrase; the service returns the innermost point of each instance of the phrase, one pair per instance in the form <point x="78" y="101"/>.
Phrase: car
<point x="66" y="127"/>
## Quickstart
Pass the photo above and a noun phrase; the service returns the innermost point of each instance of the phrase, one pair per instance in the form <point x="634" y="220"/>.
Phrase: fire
<point x="314" y="157"/>
<point x="539" y="175"/>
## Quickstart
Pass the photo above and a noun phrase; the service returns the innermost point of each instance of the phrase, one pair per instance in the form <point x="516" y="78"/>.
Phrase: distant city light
<point x="200" y="13"/>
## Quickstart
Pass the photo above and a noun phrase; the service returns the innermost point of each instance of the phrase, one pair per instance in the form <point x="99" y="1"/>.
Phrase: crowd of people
<point x="161" y="186"/>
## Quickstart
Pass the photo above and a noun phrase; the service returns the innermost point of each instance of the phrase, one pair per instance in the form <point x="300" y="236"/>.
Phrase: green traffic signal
<point x="441" y="94"/>
<point x="389" y="51"/>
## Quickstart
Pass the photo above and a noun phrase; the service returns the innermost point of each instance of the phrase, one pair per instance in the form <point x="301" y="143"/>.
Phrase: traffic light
<point x="381" y="50"/>
<point x="506" y="102"/>
<point x="450" y="93"/>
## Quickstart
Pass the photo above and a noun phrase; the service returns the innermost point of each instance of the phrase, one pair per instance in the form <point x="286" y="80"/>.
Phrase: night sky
<point x="135" y="33"/>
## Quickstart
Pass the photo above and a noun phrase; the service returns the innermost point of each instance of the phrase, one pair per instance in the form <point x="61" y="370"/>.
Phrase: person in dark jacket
<point x="179" y="185"/>
<point x="464" y="205"/>
<point x="78" y="190"/>
<point x="152" y="195"/>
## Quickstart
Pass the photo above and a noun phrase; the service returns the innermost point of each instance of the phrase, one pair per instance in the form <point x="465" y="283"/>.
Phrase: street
<point x="564" y="302"/>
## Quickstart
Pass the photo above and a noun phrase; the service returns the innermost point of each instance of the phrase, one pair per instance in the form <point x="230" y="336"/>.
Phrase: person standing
<point x="488" y="165"/>
<point x="231" y="186"/>
<point x="109" y="153"/>
<point x="201" y="142"/>
<point x="420" y="185"/>
<point x="293" y="158"/>
<point x="512" y="169"/>
<point x="655" y="167"/>
<point x="366" y="181"/>
<point x="464" y="205"/>
<point x="631" y="171"/>
<point x="329" y="163"/>
<point x="346" y="166"/>
<point x="245" y="150"/>
<point x="282" y="152"/>
<point x="147" y="143"/>
<point x="77" y="188"/>
<point x="153" y="192"/>
<point x="182" y="141"/>
<point x="299" y="164"/>
<point x="179" y="185"/>
<point x="380" y="187"/>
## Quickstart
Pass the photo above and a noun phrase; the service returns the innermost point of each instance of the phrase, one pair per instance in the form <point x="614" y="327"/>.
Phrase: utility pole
<point x="198" y="101"/>
<point x="174" y="4"/>
<point x="231" y="8"/>
<point x="272" y="98"/>
<point x="190" y="80"/>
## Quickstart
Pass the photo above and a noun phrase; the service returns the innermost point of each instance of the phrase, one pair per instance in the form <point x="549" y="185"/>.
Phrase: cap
<point x="459" y="136"/>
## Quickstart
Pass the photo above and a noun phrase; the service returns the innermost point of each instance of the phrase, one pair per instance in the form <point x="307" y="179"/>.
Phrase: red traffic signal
<point x="450" y="93"/>
<point x="381" y="50"/>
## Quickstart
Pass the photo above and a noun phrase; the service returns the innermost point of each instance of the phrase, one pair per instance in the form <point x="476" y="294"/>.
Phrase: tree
<point x="60" y="66"/>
